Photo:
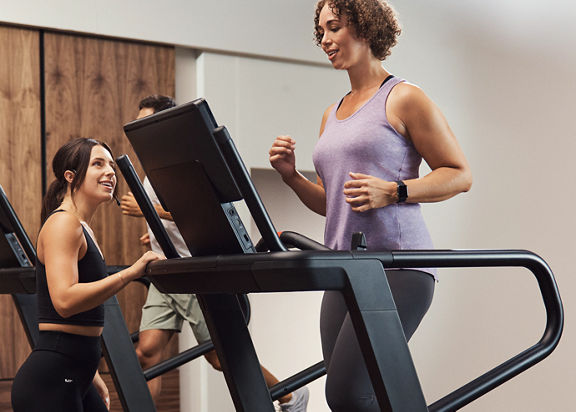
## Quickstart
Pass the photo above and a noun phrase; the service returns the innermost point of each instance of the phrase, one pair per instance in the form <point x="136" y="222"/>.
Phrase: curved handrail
<point x="476" y="258"/>
<point x="461" y="258"/>
<point x="302" y="242"/>
<point x="497" y="258"/>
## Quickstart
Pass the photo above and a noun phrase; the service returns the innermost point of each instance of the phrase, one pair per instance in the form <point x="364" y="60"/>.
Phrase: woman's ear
<point x="69" y="175"/>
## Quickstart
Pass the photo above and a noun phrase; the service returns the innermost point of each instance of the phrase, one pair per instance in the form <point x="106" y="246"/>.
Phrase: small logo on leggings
<point x="68" y="380"/>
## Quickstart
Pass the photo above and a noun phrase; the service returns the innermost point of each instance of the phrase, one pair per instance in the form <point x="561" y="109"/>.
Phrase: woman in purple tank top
<point x="367" y="159"/>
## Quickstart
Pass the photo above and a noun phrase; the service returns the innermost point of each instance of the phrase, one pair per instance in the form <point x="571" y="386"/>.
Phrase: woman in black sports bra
<point x="61" y="373"/>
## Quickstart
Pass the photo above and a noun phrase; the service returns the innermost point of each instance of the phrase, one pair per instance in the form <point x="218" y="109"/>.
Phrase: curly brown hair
<point x="372" y="20"/>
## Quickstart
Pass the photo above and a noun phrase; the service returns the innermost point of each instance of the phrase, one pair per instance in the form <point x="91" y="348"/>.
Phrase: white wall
<point x="503" y="73"/>
<point x="256" y="27"/>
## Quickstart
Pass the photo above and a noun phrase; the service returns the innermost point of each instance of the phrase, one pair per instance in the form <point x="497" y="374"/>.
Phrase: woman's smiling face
<point x="339" y="41"/>
<point x="100" y="180"/>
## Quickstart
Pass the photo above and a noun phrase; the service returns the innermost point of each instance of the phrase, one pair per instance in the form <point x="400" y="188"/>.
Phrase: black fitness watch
<point x="402" y="191"/>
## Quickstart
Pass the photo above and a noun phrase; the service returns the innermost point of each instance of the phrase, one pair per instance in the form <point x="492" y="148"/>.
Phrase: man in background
<point x="163" y="314"/>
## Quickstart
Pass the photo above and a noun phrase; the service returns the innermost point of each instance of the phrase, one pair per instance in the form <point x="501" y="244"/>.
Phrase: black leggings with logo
<point x="58" y="374"/>
<point x="348" y="385"/>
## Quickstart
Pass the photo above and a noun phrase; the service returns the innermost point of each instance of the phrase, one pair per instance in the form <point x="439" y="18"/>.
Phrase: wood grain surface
<point x="20" y="163"/>
<point x="92" y="88"/>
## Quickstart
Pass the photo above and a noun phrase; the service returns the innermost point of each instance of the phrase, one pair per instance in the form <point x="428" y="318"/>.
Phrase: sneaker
<point x="298" y="402"/>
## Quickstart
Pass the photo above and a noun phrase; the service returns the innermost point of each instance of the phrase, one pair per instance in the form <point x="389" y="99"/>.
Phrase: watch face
<point x="402" y="191"/>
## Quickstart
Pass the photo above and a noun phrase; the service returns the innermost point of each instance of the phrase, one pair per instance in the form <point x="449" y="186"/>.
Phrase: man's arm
<point x="130" y="207"/>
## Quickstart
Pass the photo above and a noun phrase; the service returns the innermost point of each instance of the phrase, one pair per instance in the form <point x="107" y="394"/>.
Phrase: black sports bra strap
<point x="386" y="79"/>
<point x="382" y="84"/>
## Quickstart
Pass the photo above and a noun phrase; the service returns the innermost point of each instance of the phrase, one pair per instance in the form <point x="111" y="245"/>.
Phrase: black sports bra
<point x="382" y="84"/>
<point x="90" y="268"/>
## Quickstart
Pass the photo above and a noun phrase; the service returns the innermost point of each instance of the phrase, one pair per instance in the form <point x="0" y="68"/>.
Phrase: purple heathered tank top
<point x="366" y="143"/>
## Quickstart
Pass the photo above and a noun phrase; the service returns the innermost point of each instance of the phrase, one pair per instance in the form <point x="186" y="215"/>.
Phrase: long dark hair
<point x="74" y="156"/>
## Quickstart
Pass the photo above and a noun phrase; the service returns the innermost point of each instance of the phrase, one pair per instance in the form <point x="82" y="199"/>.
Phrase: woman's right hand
<point x="282" y="156"/>
<point x="139" y="267"/>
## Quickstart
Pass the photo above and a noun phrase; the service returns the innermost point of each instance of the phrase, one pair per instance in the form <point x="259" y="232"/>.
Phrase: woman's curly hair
<point x="372" y="20"/>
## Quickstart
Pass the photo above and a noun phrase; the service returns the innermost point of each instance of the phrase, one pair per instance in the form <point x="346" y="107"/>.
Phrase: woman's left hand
<point x="102" y="389"/>
<point x="365" y="192"/>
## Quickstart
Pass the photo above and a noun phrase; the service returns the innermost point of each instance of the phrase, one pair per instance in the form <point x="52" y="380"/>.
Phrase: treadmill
<point x="197" y="173"/>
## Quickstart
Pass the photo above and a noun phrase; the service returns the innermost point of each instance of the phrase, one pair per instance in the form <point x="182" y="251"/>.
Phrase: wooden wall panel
<point x="93" y="87"/>
<point x="20" y="163"/>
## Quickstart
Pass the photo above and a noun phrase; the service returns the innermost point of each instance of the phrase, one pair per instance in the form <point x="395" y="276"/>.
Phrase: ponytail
<point x="53" y="197"/>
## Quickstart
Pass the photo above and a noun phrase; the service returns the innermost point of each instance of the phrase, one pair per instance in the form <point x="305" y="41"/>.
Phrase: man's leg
<point x="270" y="379"/>
<point x="150" y="351"/>
<point x="200" y="330"/>
<point x="159" y="322"/>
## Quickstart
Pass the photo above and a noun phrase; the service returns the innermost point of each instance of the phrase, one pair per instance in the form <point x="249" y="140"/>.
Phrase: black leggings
<point x="348" y="385"/>
<point x="58" y="374"/>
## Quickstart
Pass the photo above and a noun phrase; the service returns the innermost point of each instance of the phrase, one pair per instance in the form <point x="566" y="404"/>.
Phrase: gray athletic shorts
<point x="169" y="311"/>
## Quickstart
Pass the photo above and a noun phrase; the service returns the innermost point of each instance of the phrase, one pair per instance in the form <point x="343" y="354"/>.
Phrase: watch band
<point x="402" y="191"/>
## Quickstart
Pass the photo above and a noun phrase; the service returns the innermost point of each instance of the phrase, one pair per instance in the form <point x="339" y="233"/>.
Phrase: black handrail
<point x="152" y="218"/>
<point x="497" y="258"/>
<point x="178" y="360"/>
<point x="298" y="380"/>
<point x="477" y="258"/>
<point x="249" y="192"/>
<point x="277" y="391"/>
<point x="293" y="239"/>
